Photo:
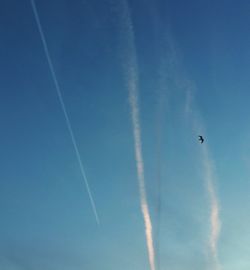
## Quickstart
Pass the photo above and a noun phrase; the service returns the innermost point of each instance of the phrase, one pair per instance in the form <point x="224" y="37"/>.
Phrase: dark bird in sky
<point x="201" y="139"/>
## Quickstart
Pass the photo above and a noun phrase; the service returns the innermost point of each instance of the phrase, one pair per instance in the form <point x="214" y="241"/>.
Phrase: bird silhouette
<point x="201" y="139"/>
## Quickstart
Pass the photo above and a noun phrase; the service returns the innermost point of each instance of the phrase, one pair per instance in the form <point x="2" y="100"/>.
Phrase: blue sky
<point x="189" y="62"/>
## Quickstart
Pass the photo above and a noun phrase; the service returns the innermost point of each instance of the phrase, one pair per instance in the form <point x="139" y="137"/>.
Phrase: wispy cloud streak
<point x="177" y="73"/>
<point x="209" y="177"/>
<point x="132" y="84"/>
<point x="59" y="94"/>
<point x="215" y="223"/>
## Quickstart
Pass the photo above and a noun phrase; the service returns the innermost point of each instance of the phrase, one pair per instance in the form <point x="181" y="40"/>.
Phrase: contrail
<point x="133" y="98"/>
<point x="59" y="94"/>
<point x="132" y="81"/>
<point x="182" y="82"/>
<point x="215" y="223"/>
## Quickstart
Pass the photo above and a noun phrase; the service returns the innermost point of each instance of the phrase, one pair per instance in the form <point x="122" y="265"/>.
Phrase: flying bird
<point x="201" y="139"/>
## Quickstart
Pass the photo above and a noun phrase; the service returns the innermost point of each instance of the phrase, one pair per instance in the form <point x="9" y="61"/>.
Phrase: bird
<point x="201" y="139"/>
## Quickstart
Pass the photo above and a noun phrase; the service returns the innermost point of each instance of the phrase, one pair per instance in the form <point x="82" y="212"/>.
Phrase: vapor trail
<point x="209" y="178"/>
<point x="215" y="223"/>
<point x="192" y="115"/>
<point x="133" y="98"/>
<point x="59" y="94"/>
<point x="131" y="70"/>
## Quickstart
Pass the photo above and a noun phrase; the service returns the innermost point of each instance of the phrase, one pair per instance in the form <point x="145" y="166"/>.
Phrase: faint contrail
<point x="215" y="223"/>
<point x="132" y="81"/>
<point x="182" y="82"/>
<point x="59" y="93"/>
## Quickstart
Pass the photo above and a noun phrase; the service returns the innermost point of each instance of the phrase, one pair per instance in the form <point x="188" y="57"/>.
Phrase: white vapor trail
<point x="133" y="98"/>
<point x="209" y="177"/>
<point x="59" y="93"/>
<point x="132" y="81"/>
<point x="215" y="223"/>
<point x="182" y="82"/>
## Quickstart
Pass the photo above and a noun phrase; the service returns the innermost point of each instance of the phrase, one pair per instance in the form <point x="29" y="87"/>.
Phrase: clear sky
<point x="187" y="66"/>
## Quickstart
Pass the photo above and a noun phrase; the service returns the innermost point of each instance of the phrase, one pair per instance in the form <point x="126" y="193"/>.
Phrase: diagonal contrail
<point x="59" y="94"/>
<point x="132" y="81"/>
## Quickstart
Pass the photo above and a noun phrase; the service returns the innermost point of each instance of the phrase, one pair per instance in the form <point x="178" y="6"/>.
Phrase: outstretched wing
<point x="201" y="139"/>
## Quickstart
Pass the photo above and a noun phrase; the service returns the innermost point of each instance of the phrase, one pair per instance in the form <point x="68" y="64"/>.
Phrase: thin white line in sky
<point x="59" y="94"/>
